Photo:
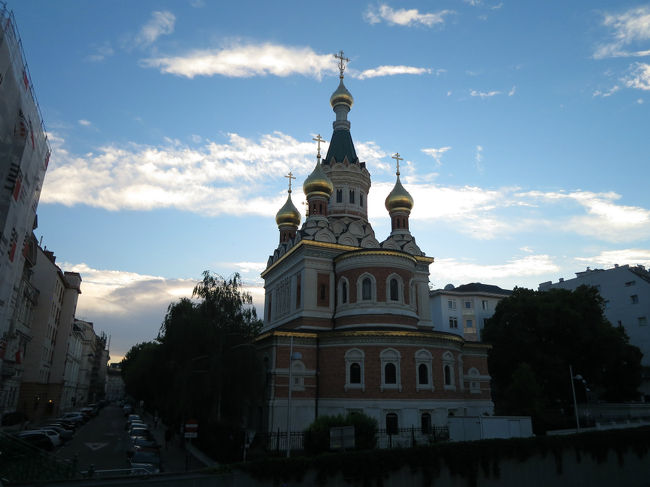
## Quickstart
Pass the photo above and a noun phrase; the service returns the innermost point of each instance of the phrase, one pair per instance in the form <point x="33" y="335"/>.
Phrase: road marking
<point x="95" y="446"/>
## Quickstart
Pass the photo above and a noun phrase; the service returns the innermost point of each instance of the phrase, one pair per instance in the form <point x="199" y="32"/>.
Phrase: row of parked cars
<point x="144" y="450"/>
<point x="56" y="431"/>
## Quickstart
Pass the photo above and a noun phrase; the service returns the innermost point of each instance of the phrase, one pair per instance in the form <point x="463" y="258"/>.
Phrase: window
<point x="484" y="305"/>
<point x="451" y="304"/>
<point x="474" y="384"/>
<point x="360" y="199"/>
<point x="423" y="375"/>
<point x="394" y="290"/>
<point x="323" y="291"/>
<point x="297" y="376"/>
<point x="392" y="424"/>
<point x="344" y="292"/>
<point x="425" y="423"/>
<point x="468" y="305"/>
<point x="453" y="322"/>
<point x="390" y="369"/>
<point x="355" y="373"/>
<point x="366" y="289"/>
<point x="448" y="370"/>
<point x="469" y="324"/>
<point x="447" y="375"/>
<point x="351" y="196"/>
<point x="630" y="283"/>
<point x="390" y="374"/>
<point x="643" y="321"/>
<point x="339" y="196"/>
<point x="634" y="299"/>
<point x="354" y="361"/>
<point x="298" y="290"/>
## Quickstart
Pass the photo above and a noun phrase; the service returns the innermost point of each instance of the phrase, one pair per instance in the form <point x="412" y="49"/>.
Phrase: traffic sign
<point x="191" y="428"/>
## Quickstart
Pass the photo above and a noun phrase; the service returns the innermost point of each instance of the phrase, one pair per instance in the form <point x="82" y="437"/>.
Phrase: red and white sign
<point x="191" y="428"/>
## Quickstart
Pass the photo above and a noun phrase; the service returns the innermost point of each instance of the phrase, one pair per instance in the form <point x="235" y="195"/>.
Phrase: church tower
<point x="347" y="316"/>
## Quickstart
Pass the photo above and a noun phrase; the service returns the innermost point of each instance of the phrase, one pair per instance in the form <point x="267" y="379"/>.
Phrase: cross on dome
<point x="318" y="139"/>
<point x="397" y="159"/>
<point x="342" y="60"/>
<point x="290" y="176"/>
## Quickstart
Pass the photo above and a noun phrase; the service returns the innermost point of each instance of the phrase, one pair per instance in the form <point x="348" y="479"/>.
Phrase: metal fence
<point x="400" y="438"/>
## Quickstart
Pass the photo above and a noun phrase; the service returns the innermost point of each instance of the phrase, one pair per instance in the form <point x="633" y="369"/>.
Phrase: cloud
<point x="391" y="71"/>
<point x="404" y="17"/>
<point x="478" y="157"/>
<point x="609" y="258"/>
<point x="639" y="77"/>
<point x="461" y="271"/>
<point x="245" y="61"/>
<point x="161" y="23"/>
<point x="607" y="93"/>
<point x="85" y="123"/>
<point x="604" y="219"/>
<point x="204" y="179"/>
<point x="484" y="94"/>
<point x="627" y="30"/>
<point x="512" y="91"/>
<point x="437" y="153"/>
<point x="130" y="306"/>
<point x="101" y="52"/>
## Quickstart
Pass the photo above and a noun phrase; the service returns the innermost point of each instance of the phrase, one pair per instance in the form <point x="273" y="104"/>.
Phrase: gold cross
<point x="342" y="61"/>
<point x="397" y="158"/>
<point x="318" y="139"/>
<point x="290" y="176"/>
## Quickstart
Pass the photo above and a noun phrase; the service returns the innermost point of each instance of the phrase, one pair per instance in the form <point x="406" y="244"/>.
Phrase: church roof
<point x="477" y="287"/>
<point x="341" y="146"/>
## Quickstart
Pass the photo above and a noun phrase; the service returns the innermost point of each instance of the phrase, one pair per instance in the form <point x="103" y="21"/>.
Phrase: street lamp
<point x="573" y="390"/>
<point x="292" y="356"/>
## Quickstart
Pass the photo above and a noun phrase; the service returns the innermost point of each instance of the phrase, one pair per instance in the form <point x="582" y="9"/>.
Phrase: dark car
<point x="147" y="460"/>
<point x="65" y="434"/>
<point x="139" y="433"/>
<point x="39" y="439"/>
<point x="143" y="443"/>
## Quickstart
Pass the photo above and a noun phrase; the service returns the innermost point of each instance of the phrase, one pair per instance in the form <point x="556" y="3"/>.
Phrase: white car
<point x="54" y="437"/>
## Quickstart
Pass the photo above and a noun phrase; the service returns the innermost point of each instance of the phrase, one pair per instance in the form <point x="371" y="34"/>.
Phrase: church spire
<point x="288" y="217"/>
<point x="399" y="203"/>
<point x="341" y="145"/>
<point x="318" y="187"/>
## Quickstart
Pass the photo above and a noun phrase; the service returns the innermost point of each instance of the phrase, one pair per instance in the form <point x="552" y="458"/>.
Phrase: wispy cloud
<point x="100" y="52"/>
<point x="512" y="91"/>
<point x="609" y="258"/>
<point x="85" y="123"/>
<point x="627" y="31"/>
<point x="484" y="94"/>
<point x="638" y="77"/>
<point x="437" y="153"/>
<point x="245" y="61"/>
<point x="161" y="23"/>
<point x="404" y="17"/>
<point x="606" y="93"/>
<point x="478" y="157"/>
<point x="460" y="271"/>
<point x="391" y="71"/>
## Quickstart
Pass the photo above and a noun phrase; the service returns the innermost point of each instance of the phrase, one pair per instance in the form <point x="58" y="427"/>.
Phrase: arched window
<point x="339" y="196"/>
<point x="423" y="375"/>
<point x="392" y="424"/>
<point x="448" y="375"/>
<point x="355" y="373"/>
<point x="390" y="374"/>
<point x="366" y="289"/>
<point x="425" y="422"/>
<point x="394" y="290"/>
<point x="344" y="292"/>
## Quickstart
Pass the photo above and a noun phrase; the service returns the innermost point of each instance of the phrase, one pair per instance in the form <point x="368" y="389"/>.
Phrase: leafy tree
<point x="317" y="435"/>
<point x="203" y="364"/>
<point x="536" y="336"/>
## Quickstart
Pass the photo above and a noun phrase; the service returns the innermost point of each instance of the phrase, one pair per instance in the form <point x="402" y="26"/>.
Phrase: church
<point x="347" y="319"/>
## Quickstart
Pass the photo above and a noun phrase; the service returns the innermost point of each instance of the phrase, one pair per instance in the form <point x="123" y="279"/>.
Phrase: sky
<point x="523" y="127"/>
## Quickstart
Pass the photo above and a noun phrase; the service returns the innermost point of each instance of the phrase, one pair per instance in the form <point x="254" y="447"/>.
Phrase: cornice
<point x="307" y="243"/>
<point x="375" y="252"/>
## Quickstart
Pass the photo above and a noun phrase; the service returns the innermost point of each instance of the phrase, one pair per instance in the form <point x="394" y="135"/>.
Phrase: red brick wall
<point x="380" y="274"/>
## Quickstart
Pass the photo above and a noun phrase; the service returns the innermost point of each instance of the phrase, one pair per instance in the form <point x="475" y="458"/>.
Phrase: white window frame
<point x="451" y="304"/>
<point x="455" y="321"/>
<point x="340" y="291"/>
<point x="400" y="288"/>
<point x="448" y="361"/>
<point x="391" y="356"/>
<point x="474" y="381"/>
<point x="354" y="356"/>
<point x="373" y="288"/>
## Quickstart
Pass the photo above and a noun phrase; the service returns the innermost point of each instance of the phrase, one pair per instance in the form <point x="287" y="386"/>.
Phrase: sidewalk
<point x="175" y="456"/>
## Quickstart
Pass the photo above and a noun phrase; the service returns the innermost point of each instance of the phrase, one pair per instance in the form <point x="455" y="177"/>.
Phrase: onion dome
<point x="318" y="183"/>
<point x="399" y="199"/>
<point x="341" y="96"/>
<point x="288" y="214"/>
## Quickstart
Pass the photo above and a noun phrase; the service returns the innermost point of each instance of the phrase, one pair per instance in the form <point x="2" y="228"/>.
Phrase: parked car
<point x="139" y="432"/>
<point x="39" y="439"/>
<point x="55" y="438"/>
<point x="76" y="417"/>
<point x="128" y="409"/>
<point x="148" y="460"/>
<point x="142" y="443"/>
<point x="65" y="434"/>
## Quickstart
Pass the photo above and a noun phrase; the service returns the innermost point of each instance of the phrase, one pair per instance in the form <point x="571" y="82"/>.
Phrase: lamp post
<point x="292" y="356"/>
<point x="573" y="390"/>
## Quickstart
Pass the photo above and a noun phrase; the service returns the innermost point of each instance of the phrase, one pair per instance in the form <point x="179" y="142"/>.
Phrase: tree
<point x="535" y="336"/>
<point x="205" y="363"/>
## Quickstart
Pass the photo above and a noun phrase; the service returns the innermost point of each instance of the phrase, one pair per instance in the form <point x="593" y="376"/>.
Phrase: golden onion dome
<point x="341" y="95"/>
<point x="288" y="214"/>
<point x="399" y="199"/>
<point x="318" y="183"/>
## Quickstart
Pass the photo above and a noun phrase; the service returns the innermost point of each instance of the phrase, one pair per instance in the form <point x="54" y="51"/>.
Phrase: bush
<point x="317" y="435"/>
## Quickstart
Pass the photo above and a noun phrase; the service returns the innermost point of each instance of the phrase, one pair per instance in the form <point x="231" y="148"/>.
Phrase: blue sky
<point x="523" y="126"/>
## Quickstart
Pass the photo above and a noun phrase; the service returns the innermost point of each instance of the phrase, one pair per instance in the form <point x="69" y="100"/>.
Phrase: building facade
<point x="465" y="309"/>
<point x="347" y="320"/>
<point x="24" y="155"/>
